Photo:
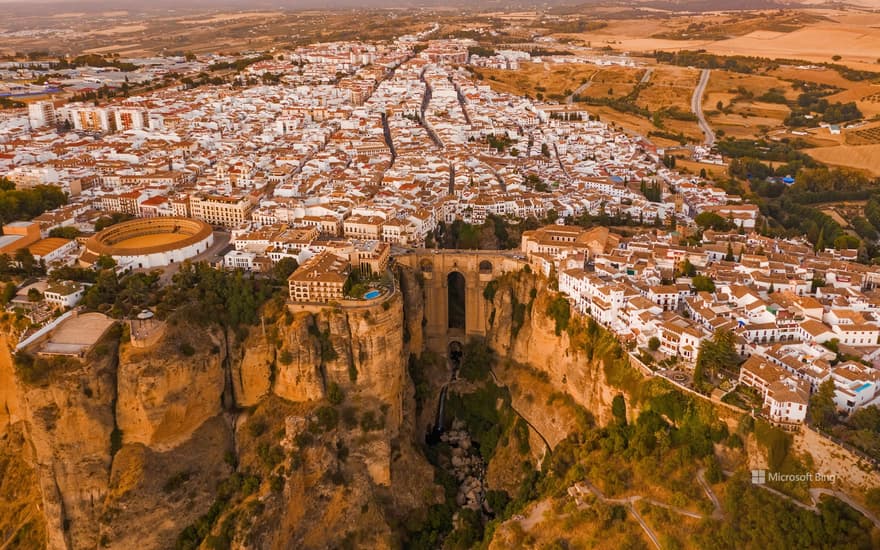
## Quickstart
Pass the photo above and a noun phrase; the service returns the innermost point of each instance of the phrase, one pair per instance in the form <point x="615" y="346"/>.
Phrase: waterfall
<point x="438" y="421"/>
<point x="433" y="435"/>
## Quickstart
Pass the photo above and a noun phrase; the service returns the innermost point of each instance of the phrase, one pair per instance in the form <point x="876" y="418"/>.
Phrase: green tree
<point x="701" y="283"/>
<point x="476" y="360"/>
<point x="846" y="242"/>
<point x="729" y="256"/>
<point x="8" y="293"/>
<point x="618" y="409"/>
<point x="334" y="393"/>
<point x="68" y="232"/>
<point x="34" y="295"/>
<point x="687" y="268"/>
<point x="26" y="260"/>
<point x="26" y="204"/>
<point x="711" y="220"/>
<point x="823" y="411"/>
<point x="560" y="311"/>
<point x="654" y="343"/>
<point x="284" y="268"/>
<point x="105" y="262"/>
<point x="716" y="354"/>
<point x="699" y="375"/>
<point x="820" y="241"/>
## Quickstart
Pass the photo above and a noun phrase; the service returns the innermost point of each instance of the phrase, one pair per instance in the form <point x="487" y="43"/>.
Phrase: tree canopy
<point x="26" y="204"/>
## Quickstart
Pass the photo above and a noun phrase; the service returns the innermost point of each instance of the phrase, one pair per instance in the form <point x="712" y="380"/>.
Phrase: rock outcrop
<point x="523" y="333"/>
<point x="166" y="392"/>
<point x="360" y="349"/>
<point x="69" y="418"/>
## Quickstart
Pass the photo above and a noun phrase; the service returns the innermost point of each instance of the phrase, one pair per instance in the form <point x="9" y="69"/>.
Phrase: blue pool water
<point x="372" y="294"/>
<point x="863" y="387"/>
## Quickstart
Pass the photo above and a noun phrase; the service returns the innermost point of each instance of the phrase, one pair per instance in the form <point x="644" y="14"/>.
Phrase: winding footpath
<point x="816" y="495"/>
<point x="586" y="487"/>
<point x="630" y="502"/>
<point x="697" y="108"/>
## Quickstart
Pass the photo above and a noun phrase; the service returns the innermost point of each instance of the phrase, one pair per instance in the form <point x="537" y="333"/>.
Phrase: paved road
<point x="570" y="99"/>
<point x="697" y="108"/>
<point x="211" y="255"/>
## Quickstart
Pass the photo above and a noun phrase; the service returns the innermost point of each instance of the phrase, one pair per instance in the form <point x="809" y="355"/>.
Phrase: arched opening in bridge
<point x="455" y="287"/>
<point x="485" y="267"/>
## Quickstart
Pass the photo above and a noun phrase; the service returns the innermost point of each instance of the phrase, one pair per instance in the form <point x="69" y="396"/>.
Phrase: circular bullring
<point x="151" y="242"/>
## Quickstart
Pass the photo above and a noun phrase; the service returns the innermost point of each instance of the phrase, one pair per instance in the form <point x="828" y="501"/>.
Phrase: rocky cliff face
<point x="166" y="392"/>
<point x="129" y="446"/>
<point x="340" y="483"/>
<point x="299" y="432"/>
<point x="69" y="419"/>
<point x="305" y="350"/>
<point x="522" y="332"/>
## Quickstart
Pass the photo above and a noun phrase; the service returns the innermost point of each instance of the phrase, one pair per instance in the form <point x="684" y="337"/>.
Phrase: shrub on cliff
<point x="35" y="371"/>
<point x="334" y="393"/>
<point x="490" y="290"/>
<point x="327" y="418"/>
<point x="476" y="360"/>
<point x="560" y="311"/>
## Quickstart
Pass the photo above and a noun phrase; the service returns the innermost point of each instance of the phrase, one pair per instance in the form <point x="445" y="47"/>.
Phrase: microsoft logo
<point x="759" y="477"/>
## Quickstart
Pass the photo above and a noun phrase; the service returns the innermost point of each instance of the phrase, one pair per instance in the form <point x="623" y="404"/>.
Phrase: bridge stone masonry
<point x="454" y="281"/>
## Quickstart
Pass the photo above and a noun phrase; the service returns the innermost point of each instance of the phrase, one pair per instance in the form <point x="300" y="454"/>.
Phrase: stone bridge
<point x="454" y="281"/>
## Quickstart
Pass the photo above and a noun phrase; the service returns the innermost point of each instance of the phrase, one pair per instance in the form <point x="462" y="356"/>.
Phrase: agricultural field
<point x="860" y="157"/>
<point x="739" y="24"/>
<point x="669" y="87"/>
<point x="801" y="34"/>
<point x="867" y="135"/>
<point x="614" y="82"/>
<point x="151" y="32"/>
<point x="557" y="81"/>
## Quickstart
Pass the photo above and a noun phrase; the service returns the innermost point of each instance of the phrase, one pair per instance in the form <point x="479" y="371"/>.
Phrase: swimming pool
<point x="372" y="294"/>
<point x="864" y="387"/>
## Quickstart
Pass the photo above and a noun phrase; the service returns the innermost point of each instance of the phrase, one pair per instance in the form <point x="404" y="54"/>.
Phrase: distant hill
<point x="19" y="8"/>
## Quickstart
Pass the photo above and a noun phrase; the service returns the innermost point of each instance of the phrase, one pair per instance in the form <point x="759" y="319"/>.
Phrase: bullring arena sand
<point x="156" y="239"/>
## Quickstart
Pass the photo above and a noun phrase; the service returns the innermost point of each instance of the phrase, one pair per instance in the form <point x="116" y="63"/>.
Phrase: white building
<point x="239" y="259"/>
<point x="785" y="396"/>
<point x="41" y="113"/>
<point x="64" y="295"/>
<point x="855" y="385"/>
<point x="92" y="119"/>
<point x="130" y="119"/>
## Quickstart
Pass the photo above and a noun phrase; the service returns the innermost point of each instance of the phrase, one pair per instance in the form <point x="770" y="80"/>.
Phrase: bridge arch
<point x="456" y="299"/>
<point x="453" y="282"/>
